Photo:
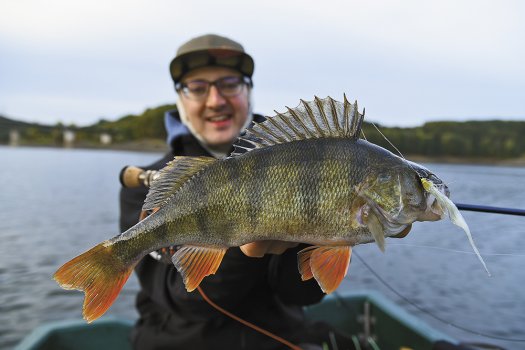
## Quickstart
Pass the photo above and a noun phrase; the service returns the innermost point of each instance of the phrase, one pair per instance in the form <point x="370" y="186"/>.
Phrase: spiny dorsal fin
<point x="172" y="177"/>
<point x="321" y="118"/>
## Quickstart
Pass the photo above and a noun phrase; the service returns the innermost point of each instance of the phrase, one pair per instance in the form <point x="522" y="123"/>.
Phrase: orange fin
<point x="100" y="274"/>
<point x="195" y="262"/>
<point x="327" y="264"/>
<point x="303" y="261"/>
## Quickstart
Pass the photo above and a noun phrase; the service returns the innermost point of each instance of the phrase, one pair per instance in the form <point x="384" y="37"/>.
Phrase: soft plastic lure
<point x="453" y="213"/>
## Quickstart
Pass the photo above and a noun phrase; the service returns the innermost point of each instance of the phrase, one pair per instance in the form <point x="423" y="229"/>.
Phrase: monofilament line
<point x="387" y="140"/>
<point x="393" y="290"/>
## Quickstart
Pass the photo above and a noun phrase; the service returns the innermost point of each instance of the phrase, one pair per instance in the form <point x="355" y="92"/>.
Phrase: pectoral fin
<point x="376" y="229"/>
<point x="328" y="265"/>
<point x="194" y="263"/>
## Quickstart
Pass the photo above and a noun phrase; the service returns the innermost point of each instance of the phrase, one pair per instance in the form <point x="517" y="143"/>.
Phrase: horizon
<point x="465" y="120"/>
<point x="408" y="63"/>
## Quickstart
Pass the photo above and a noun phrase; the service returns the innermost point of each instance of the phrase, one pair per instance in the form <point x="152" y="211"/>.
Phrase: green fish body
<point x="303" y="176"/>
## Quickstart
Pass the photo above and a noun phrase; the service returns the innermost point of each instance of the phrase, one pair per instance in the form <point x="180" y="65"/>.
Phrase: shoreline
<point x="146" y="146"/>
<point x="158" y="146"/>
<point x="517" y="162"/>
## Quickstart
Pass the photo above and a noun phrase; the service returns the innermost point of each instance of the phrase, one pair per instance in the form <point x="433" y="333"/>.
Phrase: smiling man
<point x="215" y="104"/>
<point x="212" y="77"/>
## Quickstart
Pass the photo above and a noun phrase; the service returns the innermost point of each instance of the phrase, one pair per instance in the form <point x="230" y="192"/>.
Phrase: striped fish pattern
<point x="299" y="176"/>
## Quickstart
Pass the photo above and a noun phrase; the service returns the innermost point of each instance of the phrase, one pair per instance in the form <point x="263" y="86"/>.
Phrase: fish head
<point x="395" y="194"/>
<point x="429" y="207"/>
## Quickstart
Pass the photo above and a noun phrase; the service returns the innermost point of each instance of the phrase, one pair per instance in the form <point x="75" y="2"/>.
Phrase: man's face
<point x="217" y="119"/>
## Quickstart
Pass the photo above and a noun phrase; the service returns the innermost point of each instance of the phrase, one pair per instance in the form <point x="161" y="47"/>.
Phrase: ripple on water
<point x="39" y="232"/>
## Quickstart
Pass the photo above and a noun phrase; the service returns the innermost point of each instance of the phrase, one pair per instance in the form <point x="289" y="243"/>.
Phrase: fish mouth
<point x="435" y="210"/>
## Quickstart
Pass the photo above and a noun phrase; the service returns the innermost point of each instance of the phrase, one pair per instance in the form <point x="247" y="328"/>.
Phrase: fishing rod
<point x="131" y="176"/>
<point x="489" y="209"/>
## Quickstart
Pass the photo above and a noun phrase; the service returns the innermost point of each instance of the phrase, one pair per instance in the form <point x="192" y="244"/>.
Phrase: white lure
<point x="453" y="213"/>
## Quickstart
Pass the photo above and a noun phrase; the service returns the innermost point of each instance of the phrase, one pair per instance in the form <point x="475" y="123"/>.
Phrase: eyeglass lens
<point x="227" y="86"/>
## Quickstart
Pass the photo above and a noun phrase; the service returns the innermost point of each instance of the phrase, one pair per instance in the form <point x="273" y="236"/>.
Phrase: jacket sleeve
<point x="285" y="279"/>
<point x="239" y="283"/>
<point x="131" y="200"/>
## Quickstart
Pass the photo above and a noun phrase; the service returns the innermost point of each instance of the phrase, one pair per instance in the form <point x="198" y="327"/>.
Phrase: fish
<point x="302" y="176"/>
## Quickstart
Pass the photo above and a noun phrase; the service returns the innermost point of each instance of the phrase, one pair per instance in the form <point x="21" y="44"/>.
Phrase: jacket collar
<point x="174" y="127"/>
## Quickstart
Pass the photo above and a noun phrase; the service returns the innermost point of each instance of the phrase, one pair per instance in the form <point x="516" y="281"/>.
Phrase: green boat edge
<point x="366" y="315"/>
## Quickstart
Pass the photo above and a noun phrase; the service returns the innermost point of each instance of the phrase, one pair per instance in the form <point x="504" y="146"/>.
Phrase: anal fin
<point x="303" y="263"/>
<point x="196" y="262"/>
<point x="328" y="265"/>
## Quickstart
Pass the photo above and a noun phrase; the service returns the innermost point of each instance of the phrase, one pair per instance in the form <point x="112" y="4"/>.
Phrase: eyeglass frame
<point x="244" y="80"/>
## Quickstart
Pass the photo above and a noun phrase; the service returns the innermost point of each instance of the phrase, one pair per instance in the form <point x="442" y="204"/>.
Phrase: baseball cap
<point x="210" y="50"/>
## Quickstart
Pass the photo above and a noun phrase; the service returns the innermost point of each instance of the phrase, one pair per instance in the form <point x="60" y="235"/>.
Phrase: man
<point x="212" y="77"/>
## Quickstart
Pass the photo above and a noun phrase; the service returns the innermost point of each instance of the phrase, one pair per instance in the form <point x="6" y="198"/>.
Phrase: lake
<point x="57" y="203"/>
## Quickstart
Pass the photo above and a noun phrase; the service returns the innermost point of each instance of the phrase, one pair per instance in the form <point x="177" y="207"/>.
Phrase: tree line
<point x="471" y="139"/>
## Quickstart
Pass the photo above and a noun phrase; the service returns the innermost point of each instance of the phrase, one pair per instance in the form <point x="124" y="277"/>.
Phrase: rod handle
<point x="132" y="176"/>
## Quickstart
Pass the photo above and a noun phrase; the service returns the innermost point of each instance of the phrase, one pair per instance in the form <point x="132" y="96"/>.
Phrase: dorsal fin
<point x="321" y="118"/>
<point x="172" y="177"/>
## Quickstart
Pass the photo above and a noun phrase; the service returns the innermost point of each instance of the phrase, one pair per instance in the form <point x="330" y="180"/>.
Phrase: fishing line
<point x="387" y="140"/>
<point x="246" y="323"/>
<point x="363" y="133"/>
<point x="391" y="144"/>
<point x="454" y="250"/>
<point x="393" y="290"/>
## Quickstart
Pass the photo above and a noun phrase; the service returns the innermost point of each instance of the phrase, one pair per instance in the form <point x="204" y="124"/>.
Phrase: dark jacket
<point x="266" y="291"/>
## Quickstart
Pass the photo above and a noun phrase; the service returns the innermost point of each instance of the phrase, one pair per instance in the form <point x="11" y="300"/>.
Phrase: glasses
<point x="199" y="89"/>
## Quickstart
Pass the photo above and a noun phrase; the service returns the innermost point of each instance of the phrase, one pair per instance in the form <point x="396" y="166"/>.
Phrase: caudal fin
<point x="100" y="274"/>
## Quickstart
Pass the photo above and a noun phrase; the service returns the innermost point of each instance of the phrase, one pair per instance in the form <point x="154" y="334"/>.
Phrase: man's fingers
<point x="255" y="249"/>
<point x="279" y="247"/>
<point x="260" y="248"/>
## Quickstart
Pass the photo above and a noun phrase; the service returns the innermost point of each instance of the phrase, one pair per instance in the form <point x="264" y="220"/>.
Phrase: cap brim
<point x="236" y="60"/>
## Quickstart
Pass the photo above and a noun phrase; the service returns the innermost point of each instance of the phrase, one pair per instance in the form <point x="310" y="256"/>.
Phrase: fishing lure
<point x="453" y="213"/>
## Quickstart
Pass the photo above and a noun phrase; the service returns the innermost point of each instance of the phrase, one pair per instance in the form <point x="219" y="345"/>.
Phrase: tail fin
<point x="100" y="274"/>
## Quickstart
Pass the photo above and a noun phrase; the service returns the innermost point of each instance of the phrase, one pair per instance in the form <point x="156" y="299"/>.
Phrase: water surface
<point x="56" y="203"/>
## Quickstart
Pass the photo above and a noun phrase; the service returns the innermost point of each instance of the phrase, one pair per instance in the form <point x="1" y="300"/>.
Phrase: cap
<point x="210" y="50"/>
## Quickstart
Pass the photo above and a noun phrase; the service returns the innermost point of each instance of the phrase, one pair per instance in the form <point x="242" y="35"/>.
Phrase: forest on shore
<point x="492" y="139"/>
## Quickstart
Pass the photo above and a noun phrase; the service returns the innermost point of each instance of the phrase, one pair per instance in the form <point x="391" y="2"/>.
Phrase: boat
<point x="372" y="320"/>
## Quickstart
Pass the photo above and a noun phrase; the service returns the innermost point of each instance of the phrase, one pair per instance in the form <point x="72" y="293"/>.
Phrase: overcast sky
<point x="407" y="62"/>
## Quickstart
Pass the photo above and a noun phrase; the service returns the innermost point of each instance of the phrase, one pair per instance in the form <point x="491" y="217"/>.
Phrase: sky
<point x="406" y="62"/>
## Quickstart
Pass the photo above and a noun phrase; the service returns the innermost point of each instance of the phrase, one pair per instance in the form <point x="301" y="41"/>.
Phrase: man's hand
<point x="260" y="248"/>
